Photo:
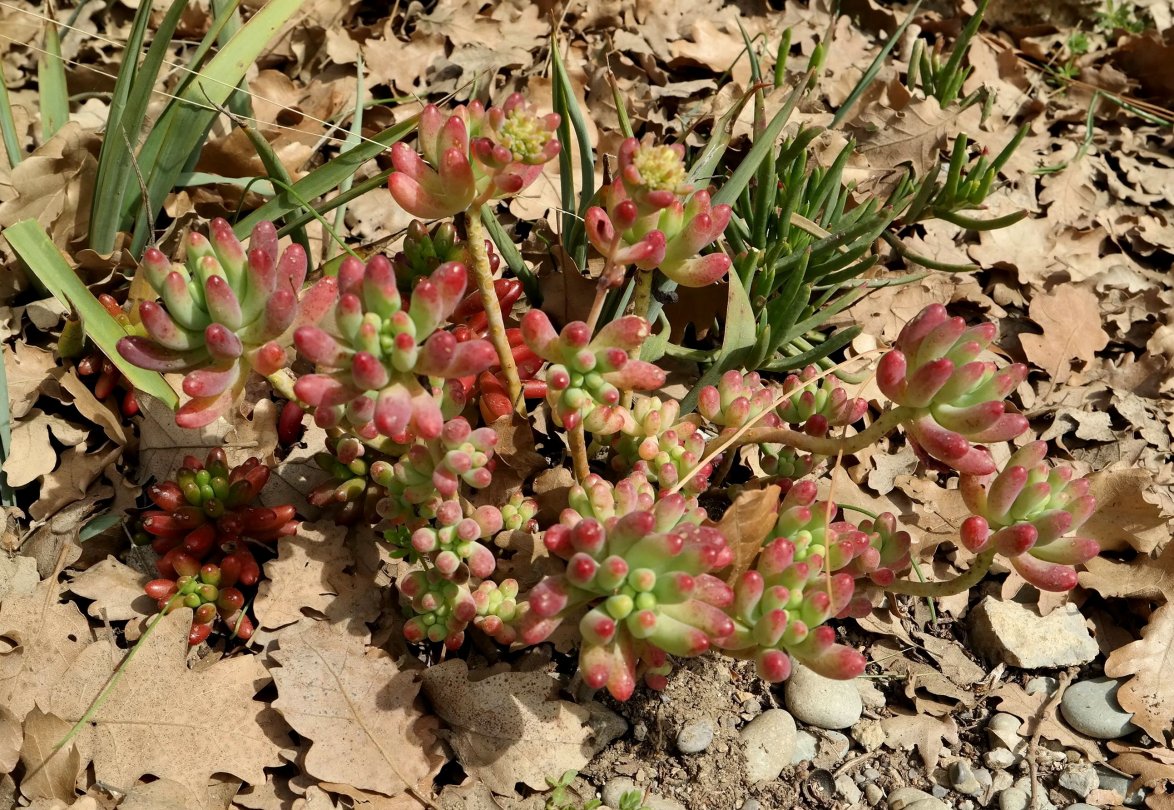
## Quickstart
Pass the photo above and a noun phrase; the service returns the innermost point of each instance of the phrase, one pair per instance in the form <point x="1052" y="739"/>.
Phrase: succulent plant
<point x="497" y="607"/>
<point x="472" y="156"/>
<point x="350" y="494"/>
<point x="424" y="250"/>
<point x="642" y="571"/>
<point x="738" y="399"/>
<point x="662" y="447"/>
<point x="1026" y="513"/>
<point x="373" y="347"/>
<point x="456" y="539"/>
<point x="652" y="218"/>
<point x="223" y="313"/>
<point x="440" y="608"/>
<point x="587" y="374"/>
<point x="818" y="404"/>
<point x="952" y="397"/>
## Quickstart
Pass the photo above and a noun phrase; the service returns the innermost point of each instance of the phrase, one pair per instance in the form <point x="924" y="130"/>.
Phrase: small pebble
<point x="966" y="804"/>
<point x="617" y="786"/>
<point x="871" y="774"/>
<point x="872" y="697"/>
<point x="847" y="789"/>
<point x="914" y="799"/>
<point x="1108" y="779"/>
<point x="999" y="759"/>
<point x="1002" y="731"/>
<point x="751" y="804"/>
<point x="822" y="702"/>
<point x="769" y="740"/>
<point x="1091" y="708"/>
<point x="1013" y="799"/>
<point x="1081" y="779"/>
<point x="940" y="791"/>
<point x="805" y="747"/>
<point x="1023" y="785"/>
<point x="869" y="734"/>
<point x="1001" y="780"/>
<point x="963" y="779"/>
<point x="1042" y="685"/>
<point x="695" y="737"/>
<point x="833" y="747"/>
<point x="1081" y="806"/>
<point x="873" y="794"/>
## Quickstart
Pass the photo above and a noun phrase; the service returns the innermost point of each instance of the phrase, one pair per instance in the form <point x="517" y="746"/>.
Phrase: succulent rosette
<point x="662" y="447"/>
<point x="424" y="250"/>
<point x="1026" y="513"/>
<point x="642" y="572"/>
<point x="471" y="156"/>
<point x="738" y="399"/>
<point x="497" y="606"/>
<point x="587" y="374"/>
<point x="652" y="218"/>
<point x="373" y="347"/>
<point x="439" y="609"/>
<point x="455" y="539"/>
<point x="818" y="403"/>
<point x="350" y="493"/>
<point x="780" y="605"/>
<point x="954" y="398"/>
<point x="223" y="313"/>
<point x="878" y="564"/>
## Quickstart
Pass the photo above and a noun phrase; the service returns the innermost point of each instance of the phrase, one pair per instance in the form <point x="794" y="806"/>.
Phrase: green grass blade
<point x="8" y="128"/>
<point x="278" y="176"/>
<point x="229" y="10"/>
<point x="354" y="138"/>
<point x="764" y="144"/>
<point x="177" y="138"/>
<point x="326" y="177"/>
<point x="128" y="110"/>
<point x="47" y="263"/>
<point x="565" y="93"/>
<point x="52" y="92"/>
<point x="873" y="68"/>
<point x="512" y="256"/>
<point x="7" y="497"/>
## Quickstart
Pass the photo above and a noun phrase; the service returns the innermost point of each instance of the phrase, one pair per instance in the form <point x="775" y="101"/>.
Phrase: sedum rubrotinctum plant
<point x="417" y="366"/>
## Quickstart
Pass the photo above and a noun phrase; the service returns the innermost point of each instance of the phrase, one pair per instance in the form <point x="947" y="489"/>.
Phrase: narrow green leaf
<point x="101" y="523"/>
<point x="52" y="92"/>
<point x="8" y="128"/>
<point x="740" y="333"/>
<point x="354" y="138"/>
<point x="512" y="256"/>
<point x="577" y="242"/>
<point x="277" y="174"/>
<point x="837" y="341"/>
<point x="48" y="264"/>
<point x="240" y="103"/>
<point x="874" y="68"/>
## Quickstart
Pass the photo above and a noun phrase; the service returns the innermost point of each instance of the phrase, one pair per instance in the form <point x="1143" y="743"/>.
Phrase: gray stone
<point x="769" y="740"/>
<point x="966" y="804"/>
<point x="847" y="789"/>
<point x="1081" y="806"/>
<point x="833" y="747"/>
<point x="999" y="759"/>
<point x="1023" y="785"/>
<point x="1013" y="799"/>
<point x="805" y="747"/>
<point x="1041" y="685"/>
<point x="1081" y="779"/>
<point x="963" y="779"/>
<point x="914" y="799"/>
<point x="1001" y="780"/>
<point x="873" y="794"/>
<point x="1091" y="708"/>
<point x="695" y="737"/>
<point x="1108" y="779"/>
<point x="939" y="791"/>
<point x="1018" y="636"/>
<point x="872" y="697"/>
<point x="1002" y="731"/>
<point x="822" y="702"/>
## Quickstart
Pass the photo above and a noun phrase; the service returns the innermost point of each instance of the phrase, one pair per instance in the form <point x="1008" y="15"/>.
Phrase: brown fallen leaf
<point x="71" y="481"/>
<point x="11" y="737"/>
<point x="116" y="590"/>
<point x="27" y="368"/>
<point x="1125" y="517"/>
<point x="1071" y="319"/>
<point x="54" y="185"/>
<point x="511" y="727"/>
<point x="1154" y="775"/>
<point x="746" y="524"/>
<point x="1149" y="694"/>
<point x="49" y="773"/>
<point x="358" y="709"/>
<point x="1014" y="699"/>
<point x="163" y="719"/>
<point x="49" y="635"/>
<point x="1143" y="578"/>
<point x="928" y="734"/>
<point x="93" y="409"/>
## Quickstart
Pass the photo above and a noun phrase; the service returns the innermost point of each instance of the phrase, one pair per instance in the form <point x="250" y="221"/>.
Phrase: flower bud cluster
<point x="1026" y="513"/>
<point x="223" y="313"/>
<point x="652" y="218"/>
<point x="641" y="568"/>
<point x="587" y="374"/>
<point x="953" y="397"/>
<point x="471" y="156"/>
<point x="199" y="529"/>
<point x="662" y="447"/>
<point x="373" y="347"/>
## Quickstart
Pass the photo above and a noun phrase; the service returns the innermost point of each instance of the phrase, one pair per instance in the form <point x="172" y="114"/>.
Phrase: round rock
<point x="769" y="740"/>
<point x="1013" y="799"/>
<point x="914" y="799"/>
<point x="1091" y="708"/>
<point x="1081" y="778"/>
<point x="822" y="702"/>
<point x="695" y="737"/>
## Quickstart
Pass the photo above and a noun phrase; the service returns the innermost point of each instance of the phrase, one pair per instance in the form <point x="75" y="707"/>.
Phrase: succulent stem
<point x="820" y="445"/>
<point x="578" y="444"/>
<point x="484" y="276"/>
<point x="642" y="296"/>
<point x="963" y="582"/>
<point x="283" y="385"/>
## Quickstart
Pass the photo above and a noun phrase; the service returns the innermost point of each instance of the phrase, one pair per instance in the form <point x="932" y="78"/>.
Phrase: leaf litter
<point x="322" y="714"/>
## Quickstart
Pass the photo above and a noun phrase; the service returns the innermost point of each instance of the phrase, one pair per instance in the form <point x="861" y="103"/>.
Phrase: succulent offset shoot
<point x="350" y="494"/>
<point x="1027" y="513"/>
<point x="817" y="403"/>
<point x="641" y="569"/>
<point x="780" y="605"/>
<point x="424" y="250"/>
<point x="949" y="397"/>
<point x="199" y="527"/>
<point x="373" y="347"/>
<point x="663" y="447"/>
<point x="223" y="313"/>
<point x="439" y="608"/>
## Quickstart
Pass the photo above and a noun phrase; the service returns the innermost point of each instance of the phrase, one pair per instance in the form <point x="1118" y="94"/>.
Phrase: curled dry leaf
<point x="747" y="523"/>
<point x="358" y="709"/>
<point x="159" y="716"/>
<point x="1149" y="694"/>
<point x="511" y="727"/>
<point x="1125" y="517"/>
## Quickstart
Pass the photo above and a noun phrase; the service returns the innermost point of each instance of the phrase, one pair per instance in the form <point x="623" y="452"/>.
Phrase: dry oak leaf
<point x="1149" y="694"/>
<point x="1124" y="518"/>
<point x="72" y="480"/>
<point x="360" y="711"/>
<point x="1071" y="319"/>
<point x="39" y="638"/>
<point x="1014" y="699"/>
<point x="27" y="368"/>
<point x="163" y="719"/>
<point x="1143" y="578"/>
<point x="116" y="590"/>
<point x="511" y="727"/>
<point x="906" y="730"/>
<point x="49" y="774"/>
<point x="889" y="138"/>
<point x="310" y="573"/>
<point x="746" y="524"/>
